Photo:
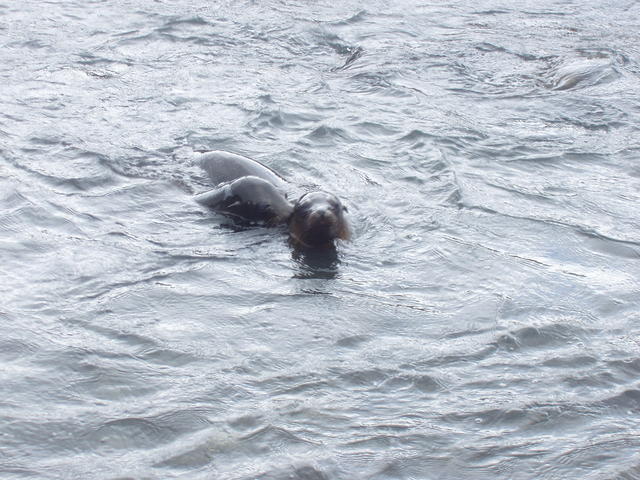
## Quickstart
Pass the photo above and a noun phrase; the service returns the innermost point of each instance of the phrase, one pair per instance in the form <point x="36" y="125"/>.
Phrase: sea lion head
<point x="317" y="220"/>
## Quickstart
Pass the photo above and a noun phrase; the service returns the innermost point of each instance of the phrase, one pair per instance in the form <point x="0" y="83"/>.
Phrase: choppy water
<point x="482" y="324"/>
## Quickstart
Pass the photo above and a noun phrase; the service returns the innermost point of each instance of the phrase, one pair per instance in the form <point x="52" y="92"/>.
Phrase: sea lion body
<point x="224" y="167"/>
<point x="248" y="190"/>
<point x="249" y="198"/>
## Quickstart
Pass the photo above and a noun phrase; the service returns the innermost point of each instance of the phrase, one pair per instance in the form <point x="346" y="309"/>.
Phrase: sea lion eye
<point x="345" y="209"/>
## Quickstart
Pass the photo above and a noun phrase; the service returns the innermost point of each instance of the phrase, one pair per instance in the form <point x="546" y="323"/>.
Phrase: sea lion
<point x="225" y="167"/>
<point x="248" y="190"/>
<point x="318" y="219"/>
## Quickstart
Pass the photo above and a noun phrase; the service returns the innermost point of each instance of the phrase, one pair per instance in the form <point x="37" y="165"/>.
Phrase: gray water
<point x="483" y="322"/>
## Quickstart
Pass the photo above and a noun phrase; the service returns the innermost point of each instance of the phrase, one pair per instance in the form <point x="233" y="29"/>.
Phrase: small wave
<point x="12" y="349"/>
<point x="547" y="336"/>
<point x="582" y="74"/>
<point x="325" y="135"/>
<point x="356" y="18"/>
<point x="196" y="21"/>
<point x="415" y="136"/>
<point x="269" y="120"/>
<point x="167" y="357"/>
<point x="628" y="368"/>
<point x="73" y="170"/>
<point x="196" y="457"/>
<point x="271" y="436"/>
<point x="112" y="385"/>
<point x="628" y="399"/>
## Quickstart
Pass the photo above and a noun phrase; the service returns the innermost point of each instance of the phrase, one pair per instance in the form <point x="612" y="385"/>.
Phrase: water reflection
<point x="310" y="262"/>
<point x="315" y="262"/>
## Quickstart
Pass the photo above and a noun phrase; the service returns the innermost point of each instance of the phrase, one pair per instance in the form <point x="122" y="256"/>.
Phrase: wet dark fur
<point x="249" y="191"/>
<point x="318" y="219"/>
<point x="251" y="199"/>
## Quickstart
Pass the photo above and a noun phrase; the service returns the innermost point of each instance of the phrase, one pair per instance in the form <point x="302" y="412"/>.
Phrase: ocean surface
<point x="483" y="323"/>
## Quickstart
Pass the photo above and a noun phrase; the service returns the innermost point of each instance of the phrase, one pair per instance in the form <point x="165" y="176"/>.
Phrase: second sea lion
<point x="250" y="191"/>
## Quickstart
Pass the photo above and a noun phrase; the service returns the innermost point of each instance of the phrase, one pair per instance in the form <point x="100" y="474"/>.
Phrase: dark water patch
<point x="246" y="422"/>
<point x="421" y="383"/>
<point x="375" y="82"/>
<point x="92" y="59"/>
<point x="493" y="11"/>
<point x="469" y="332"/>
<point x="353" y="341"/>
<point x="316" y="264"/>
<point x="178" y="23"/>
<point x="193" y="458"/>
<point x="353" y="55"/>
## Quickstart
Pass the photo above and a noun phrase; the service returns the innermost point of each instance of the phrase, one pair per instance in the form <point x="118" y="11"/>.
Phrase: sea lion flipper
<point x="212" y="198"/>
